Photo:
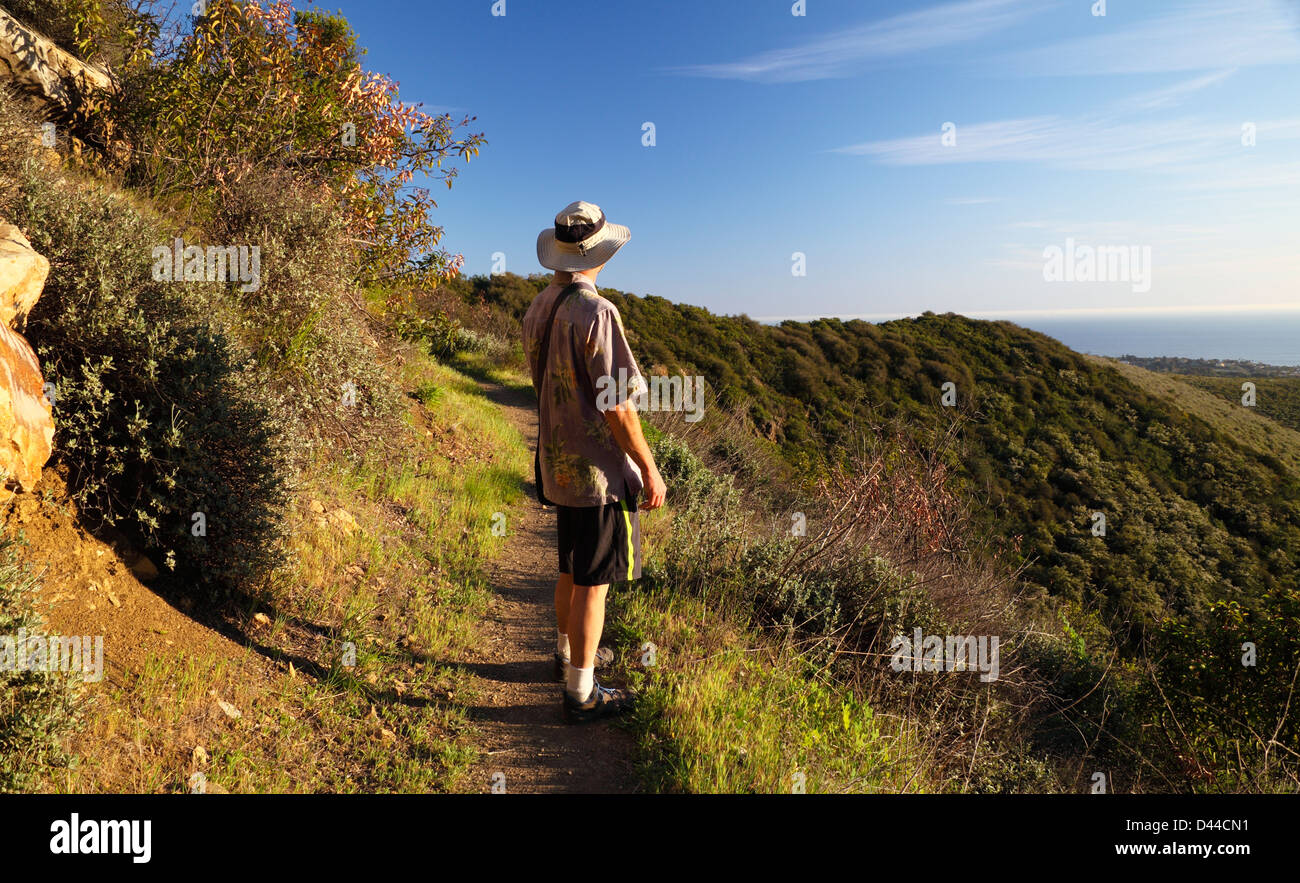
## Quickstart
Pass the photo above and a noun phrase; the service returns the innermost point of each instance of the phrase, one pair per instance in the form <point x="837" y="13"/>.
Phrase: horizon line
<point x="1062" y="313"/>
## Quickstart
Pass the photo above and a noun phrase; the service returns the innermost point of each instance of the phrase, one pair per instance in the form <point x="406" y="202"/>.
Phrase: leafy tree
<point x="254" y="89"/>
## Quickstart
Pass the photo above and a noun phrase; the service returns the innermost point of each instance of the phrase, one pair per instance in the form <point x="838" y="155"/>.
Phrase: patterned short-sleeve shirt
<point x="582" y="464"/>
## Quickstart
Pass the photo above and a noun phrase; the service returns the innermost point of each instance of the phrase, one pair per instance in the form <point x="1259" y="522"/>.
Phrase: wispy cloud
<point x="1103" y="142"/>
<point x="1079" y="143"/>
<point x="1175" y="94"/>
<point x="841" y="53"/>
<point x="1207" y="35"/>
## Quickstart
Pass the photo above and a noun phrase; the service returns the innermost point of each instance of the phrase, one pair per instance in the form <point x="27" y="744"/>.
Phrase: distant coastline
<point x="1268" y="338"/>
<point x="1210" y="367"/>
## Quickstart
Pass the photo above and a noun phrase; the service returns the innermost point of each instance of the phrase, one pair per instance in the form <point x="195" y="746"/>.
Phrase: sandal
<point x="603" y="702"/>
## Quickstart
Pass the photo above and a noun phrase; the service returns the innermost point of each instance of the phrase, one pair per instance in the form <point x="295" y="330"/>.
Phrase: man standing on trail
<point x="592" y="458"/>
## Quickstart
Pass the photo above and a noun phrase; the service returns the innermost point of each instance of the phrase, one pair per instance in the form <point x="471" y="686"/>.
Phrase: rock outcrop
<point x="47" y="77"/>
<point x="26" y="423"/>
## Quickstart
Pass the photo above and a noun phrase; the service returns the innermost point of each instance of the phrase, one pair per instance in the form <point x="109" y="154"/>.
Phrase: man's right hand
<point x="655" y="490"/>
<point x="626" y="425"/>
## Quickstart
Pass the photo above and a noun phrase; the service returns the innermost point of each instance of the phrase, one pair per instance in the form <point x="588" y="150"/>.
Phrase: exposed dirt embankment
<point x="92" y="586"/>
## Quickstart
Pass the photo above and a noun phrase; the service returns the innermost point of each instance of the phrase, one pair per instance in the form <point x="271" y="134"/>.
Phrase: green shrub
<point x="309" y="336"/>
<point x="883" y="555"/>
<point x="445" y="337"/>
<point x="1223" y="710"/>
<point x="36" y="708"/>
<point x="157" y="414"/>
<point x="17" y="147"/>
<point x="480" y="343"/>
<point x="439" y="333"/>
<point x="680" y="467"/>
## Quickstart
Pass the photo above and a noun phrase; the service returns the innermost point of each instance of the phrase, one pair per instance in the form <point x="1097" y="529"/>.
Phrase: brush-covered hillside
<point x="1277" y="398"/>
<point x="1166" y="529"/>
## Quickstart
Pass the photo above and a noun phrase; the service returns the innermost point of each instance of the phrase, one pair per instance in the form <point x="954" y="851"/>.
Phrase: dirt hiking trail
<point x="524" y="736"/>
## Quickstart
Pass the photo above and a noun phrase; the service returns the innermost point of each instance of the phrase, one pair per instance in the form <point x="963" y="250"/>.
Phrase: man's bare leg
<point x="586" y="621"/>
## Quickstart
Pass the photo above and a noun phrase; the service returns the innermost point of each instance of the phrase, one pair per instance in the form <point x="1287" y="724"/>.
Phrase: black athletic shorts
<point x="600" y="544"/>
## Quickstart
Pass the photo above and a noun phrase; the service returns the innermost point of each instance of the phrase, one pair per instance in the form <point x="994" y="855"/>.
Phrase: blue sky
<point x="822" y="134"/>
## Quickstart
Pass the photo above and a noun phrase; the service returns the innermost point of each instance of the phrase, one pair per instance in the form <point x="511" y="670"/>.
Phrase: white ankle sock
<point x="562" y="644"/>
<point x="580" y="682"/>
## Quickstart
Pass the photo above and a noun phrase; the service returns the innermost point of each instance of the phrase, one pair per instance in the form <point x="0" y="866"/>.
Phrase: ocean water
<point x="1269" y="337"/>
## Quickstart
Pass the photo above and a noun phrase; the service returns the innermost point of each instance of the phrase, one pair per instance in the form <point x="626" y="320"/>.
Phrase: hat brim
<point x="555" y="255"/>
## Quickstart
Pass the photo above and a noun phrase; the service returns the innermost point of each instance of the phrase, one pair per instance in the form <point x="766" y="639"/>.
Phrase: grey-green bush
<point x="310" y="338"/>
<point x="157" y="416"/>
<point x="36" y="708"/>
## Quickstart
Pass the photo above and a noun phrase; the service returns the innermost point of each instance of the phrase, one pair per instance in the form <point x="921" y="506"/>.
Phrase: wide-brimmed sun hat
<point x="580" y="240"/>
